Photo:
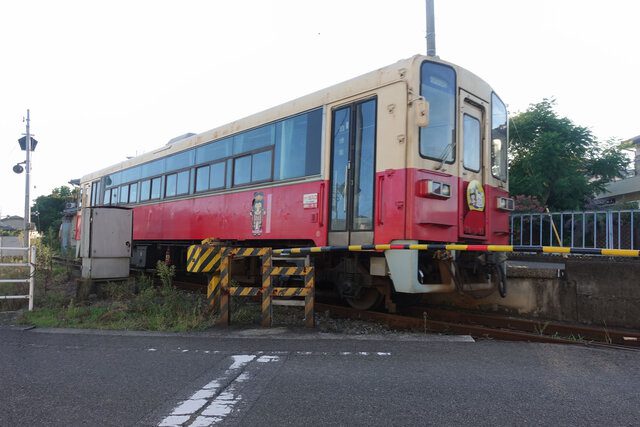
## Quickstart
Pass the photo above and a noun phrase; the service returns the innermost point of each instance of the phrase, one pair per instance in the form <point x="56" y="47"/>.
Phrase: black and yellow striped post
<point x="213" y="291"/>
<point x="266" y="308"/>
<point x="224" y="290"/>
<point x="205" y="258"/>
<point x="309" y="311"/>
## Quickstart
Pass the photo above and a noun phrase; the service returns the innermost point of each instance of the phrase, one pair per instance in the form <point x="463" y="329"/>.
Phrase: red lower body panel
<point x="301" y="212"/>
<point x="281" y="212"/>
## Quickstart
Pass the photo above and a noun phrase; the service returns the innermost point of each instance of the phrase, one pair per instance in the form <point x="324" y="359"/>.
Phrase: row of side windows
<point x="287" y="149"/>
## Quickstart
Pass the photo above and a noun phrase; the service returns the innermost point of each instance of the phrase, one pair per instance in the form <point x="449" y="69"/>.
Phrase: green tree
<point x="50" y="209"/>
<point x="558" y="162"/>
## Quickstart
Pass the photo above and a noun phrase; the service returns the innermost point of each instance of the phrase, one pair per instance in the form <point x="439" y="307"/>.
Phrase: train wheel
<point x="368" y="299"/>
<point x="501" y="278"/>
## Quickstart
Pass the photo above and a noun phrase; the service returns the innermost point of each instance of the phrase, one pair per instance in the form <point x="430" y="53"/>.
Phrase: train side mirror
<point x="421" y="109"/>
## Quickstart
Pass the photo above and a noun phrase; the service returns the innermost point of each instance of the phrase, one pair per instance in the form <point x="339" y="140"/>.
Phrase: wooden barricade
<point x="216" y="260"/>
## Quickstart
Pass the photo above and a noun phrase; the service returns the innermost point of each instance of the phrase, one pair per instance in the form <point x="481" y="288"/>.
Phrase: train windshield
<point x="499" y="128"/>
<point x="438" y="87"/>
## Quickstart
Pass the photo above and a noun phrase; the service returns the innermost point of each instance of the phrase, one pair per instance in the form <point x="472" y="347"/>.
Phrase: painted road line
<point x="225" y="395"/>
<point x="187" y="409"/>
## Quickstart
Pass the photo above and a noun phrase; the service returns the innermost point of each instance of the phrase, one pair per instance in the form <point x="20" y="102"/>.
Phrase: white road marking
<point x="174" y="421"/>
<point x="218" y="398"/>
<point x="241" y="360"/>
<point x="222" y="405"/>
<point x="190" y="406"/>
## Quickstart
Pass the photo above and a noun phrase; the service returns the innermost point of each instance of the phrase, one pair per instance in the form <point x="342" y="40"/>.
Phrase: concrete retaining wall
<point x="593" y="291"/>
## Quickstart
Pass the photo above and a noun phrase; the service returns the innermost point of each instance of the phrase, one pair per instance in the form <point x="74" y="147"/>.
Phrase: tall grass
<point x="134" y="304"/>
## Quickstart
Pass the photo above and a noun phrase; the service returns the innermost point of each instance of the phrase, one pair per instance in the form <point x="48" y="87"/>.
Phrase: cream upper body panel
<point x="354" y="88"/>
<point x="395" y="88"/>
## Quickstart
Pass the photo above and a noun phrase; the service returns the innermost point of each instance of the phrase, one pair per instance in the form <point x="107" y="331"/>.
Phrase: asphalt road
<point x="279" y="377"/>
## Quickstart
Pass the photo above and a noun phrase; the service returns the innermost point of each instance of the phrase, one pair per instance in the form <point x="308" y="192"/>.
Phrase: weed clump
<point x="137" y="304"/>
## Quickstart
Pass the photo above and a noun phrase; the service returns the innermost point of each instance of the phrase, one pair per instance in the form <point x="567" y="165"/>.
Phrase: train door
<point x="353" y="148"/>
<point x="473" y="117"/>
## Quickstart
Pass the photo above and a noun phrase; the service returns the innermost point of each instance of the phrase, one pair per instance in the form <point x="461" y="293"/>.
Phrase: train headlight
<point x="431" y="188"/>
<point x="505" y="204"/>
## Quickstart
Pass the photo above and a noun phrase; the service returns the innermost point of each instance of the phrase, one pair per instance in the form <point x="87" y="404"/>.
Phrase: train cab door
<point x="472" y="202"/>
<point x="353" y="148"/>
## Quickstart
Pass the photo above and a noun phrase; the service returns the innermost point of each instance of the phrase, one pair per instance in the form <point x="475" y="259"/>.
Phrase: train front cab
<point x="457" y="188"/>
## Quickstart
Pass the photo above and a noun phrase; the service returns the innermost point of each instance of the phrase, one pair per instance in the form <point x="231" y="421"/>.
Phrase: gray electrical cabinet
<point x="105" y="245"/>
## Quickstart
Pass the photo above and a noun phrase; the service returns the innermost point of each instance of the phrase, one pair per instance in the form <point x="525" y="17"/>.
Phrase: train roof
<point x="346" y="89"/>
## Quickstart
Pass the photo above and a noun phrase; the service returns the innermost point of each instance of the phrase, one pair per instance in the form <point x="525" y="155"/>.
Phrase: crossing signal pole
<point x="28" y="144"/>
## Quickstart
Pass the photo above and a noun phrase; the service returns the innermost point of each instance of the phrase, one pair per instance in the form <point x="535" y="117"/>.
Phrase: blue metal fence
<point x="589" y="229"/>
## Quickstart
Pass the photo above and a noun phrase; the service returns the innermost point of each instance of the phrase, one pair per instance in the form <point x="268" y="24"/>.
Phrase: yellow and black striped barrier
<point x="462" y="247"/>
<point x="204" y="258"/>
<point x="216" y="260"/>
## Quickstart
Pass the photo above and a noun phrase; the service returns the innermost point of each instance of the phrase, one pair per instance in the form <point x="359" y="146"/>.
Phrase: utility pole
<point x="27" y="204"/>
<point x="431" y="29"/>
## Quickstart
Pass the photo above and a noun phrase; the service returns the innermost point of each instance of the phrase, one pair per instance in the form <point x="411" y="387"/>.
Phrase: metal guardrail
<point x="590" y="229"/>
<point x="31" y="280"/>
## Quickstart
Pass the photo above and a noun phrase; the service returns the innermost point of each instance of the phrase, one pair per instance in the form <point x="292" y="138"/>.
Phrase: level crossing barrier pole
<point x="224" y="290"/>
<point x="309" y="310"/>
<point x="265" y="304"/>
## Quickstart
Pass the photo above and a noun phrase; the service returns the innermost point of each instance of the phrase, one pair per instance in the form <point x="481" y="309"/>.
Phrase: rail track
<point x="478" y="325"/>
<point x="493" y="327"/>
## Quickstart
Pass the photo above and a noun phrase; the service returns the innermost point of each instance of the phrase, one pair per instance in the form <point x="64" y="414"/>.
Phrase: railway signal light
<point x="18" y="168"/>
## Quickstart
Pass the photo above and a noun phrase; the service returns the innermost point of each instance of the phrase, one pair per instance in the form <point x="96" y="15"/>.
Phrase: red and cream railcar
<point x="411" y="153"/>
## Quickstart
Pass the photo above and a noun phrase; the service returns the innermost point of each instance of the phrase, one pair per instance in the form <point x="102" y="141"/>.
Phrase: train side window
<point x="242" y="170"/>
<point x="202" y="178"/>
<point x="170" y="185"/>
<point x="133" y="193"/>
<point x="131" y="174"/>
<point x="145" y="190"/>
<point x="152" y="168"/>
<point x="217" y="175"/>
<point x="182" y="186"/>
<point x="214" y="150"/>
<point x="94" y="193"/>
<point x="114" y="196"/>
<point x="471" y="146"/>
<point x="229" y="177"/>
<point x="438" y="86"/>
<point x="113" y="179"/>
<point x="499" y="138"/>
<point x="254" y="139"/>
<point x="124" y="194"/>
<point x="179" y="161"/>
<point x="261" y="166"/>
<point x="297" y="151"/>
<point x="155" y="188"/>
<point x="107" y="197"/>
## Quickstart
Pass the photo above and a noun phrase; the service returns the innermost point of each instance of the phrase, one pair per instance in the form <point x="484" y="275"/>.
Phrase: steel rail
<point x="603" y="334"/>
<point x="438" y="326"/>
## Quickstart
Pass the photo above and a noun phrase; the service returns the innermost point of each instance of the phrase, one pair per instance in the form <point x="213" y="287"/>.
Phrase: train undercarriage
<point x="365" y="280"/>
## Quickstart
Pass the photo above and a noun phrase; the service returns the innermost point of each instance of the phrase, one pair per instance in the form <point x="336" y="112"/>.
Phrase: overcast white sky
<point x="105" y="80"/>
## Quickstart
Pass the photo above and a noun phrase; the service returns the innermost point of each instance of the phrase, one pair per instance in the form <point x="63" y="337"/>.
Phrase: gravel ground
<point x="9" y="318"/>
<point x="244" y="312"/>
